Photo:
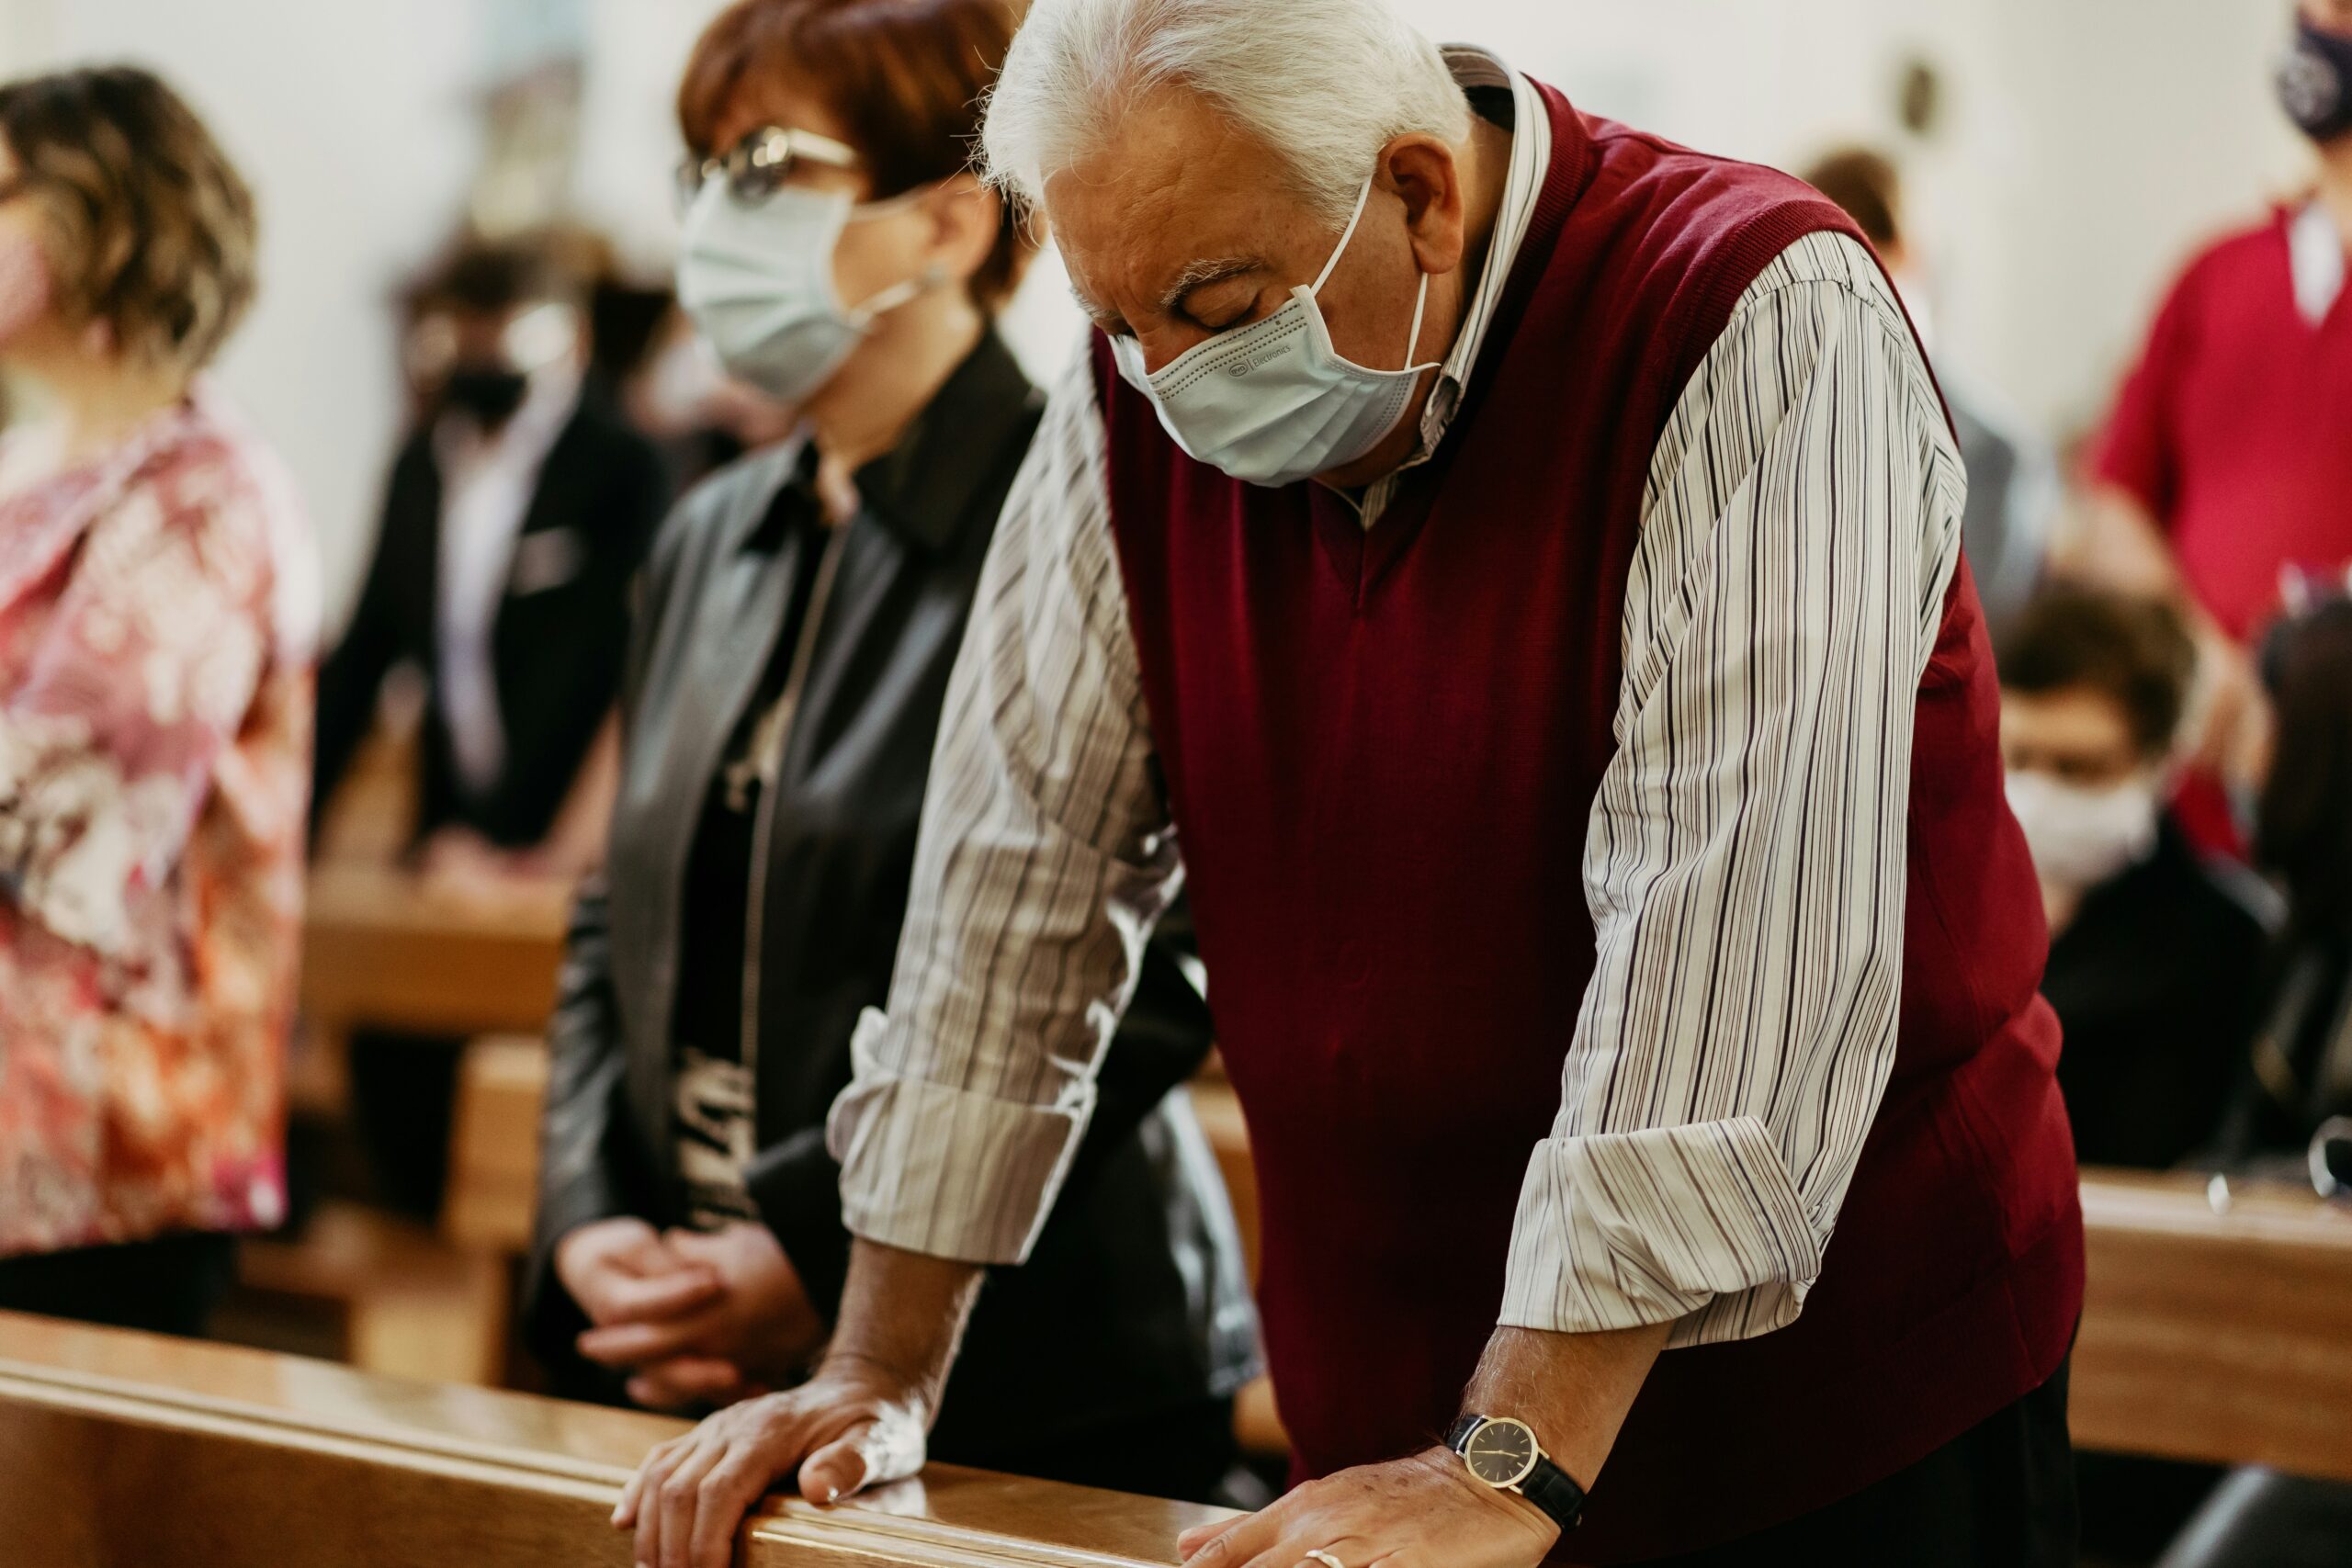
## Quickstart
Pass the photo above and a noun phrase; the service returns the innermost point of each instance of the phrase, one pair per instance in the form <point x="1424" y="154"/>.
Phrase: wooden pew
<point x="382" y="949"/>
<point x="2217" y="1335"/>
<point x="127" y="1450"/>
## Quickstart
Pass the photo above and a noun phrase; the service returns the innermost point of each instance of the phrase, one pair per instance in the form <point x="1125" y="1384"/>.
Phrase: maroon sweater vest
<point x="1382" y="749"/>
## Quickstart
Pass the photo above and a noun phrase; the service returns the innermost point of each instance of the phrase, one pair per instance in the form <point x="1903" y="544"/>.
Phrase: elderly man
<point x="1509" y="566"/>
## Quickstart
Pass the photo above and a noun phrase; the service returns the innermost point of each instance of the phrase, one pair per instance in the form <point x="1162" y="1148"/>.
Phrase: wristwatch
<point x="1503" y="1453"/>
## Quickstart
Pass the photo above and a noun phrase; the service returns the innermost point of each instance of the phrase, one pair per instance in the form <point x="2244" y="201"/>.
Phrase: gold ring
<point x="1325" y="1558"/>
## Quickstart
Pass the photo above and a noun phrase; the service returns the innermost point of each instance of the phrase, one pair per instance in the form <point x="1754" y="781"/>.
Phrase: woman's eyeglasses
<point x="762" y="162"/>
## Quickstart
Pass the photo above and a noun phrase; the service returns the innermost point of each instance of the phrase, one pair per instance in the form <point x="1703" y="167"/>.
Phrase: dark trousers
<point x="403" y="1095"/>
<point x="1185" y="1453"/>
<point x="1999" y="1495"/>
<point x="169" y="1285"/>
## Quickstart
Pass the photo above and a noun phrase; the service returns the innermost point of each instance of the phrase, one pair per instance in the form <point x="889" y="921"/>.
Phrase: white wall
<point x="2089" y="144"/>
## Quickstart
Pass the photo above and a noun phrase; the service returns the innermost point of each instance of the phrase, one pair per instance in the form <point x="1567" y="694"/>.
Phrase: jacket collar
<point x="924" y="489"/>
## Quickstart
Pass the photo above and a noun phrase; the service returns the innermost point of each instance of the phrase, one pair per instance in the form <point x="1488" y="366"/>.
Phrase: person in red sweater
<point x="2224" y="464"/>
<point x="1507" y="568"/>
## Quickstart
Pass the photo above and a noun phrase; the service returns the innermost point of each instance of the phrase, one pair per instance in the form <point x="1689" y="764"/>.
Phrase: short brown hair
<point x="2133" y="650"/>
<point x="1868" y="187"/>
<point x="153" y="227"/>
<point x="905" y="76"/>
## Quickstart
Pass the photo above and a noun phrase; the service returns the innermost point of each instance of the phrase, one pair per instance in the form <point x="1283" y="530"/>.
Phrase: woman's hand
<point x="758" y="1325"/>
<point x="620" y="1270"/>
<point x="855" y="1424"/>
<point x="1422" y="1512"/>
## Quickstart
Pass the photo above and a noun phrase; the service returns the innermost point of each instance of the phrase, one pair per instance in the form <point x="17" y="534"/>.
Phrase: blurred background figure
<point x="703" y="417"/>
<point x="518" y="511"/>
<point x="799" y="622"/>
<point x="2155" y="956"/>
<point x="2225" y="462"/>
<point x="2013" y="491"/>
<point x="157" y="612"/>
<point x="2302" y="1052"/>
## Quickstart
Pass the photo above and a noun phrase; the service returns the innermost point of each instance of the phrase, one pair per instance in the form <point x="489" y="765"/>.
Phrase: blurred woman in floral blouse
<point x="157" y="608"/>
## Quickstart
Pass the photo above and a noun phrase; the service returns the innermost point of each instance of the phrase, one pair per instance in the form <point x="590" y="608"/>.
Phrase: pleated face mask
<point x="756" y="274"/>
<point x="1272" y="402"/>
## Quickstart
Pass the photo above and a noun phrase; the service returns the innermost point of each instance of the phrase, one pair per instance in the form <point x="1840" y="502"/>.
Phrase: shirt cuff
<point x="1698" y="1225"/>
<point x="932" y="1168"/>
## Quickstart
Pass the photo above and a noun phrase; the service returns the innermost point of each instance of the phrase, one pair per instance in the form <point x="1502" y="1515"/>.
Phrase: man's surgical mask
<point x="2315" y="82"/>
<point x="2081" y="837"/>
<point x="756" y="274"/>
<point x="1272" y="402"/>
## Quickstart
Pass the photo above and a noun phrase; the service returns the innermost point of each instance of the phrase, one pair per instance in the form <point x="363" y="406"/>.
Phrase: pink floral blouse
<point x="155" y="621"/>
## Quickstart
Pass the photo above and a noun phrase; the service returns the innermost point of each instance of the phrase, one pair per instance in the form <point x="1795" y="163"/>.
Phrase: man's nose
<point x="1162" y="345"/>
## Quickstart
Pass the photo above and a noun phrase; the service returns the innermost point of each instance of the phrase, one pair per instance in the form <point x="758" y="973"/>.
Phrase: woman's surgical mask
<point x="2081" y="837"/>
<point x="1272" y="402"/>
<point x="756" y="274"/>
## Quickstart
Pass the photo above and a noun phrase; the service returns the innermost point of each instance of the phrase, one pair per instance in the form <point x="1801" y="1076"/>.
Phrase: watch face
<point x="1501" y="1453"/>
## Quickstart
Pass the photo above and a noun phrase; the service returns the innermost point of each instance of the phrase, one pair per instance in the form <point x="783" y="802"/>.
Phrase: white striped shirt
<point x="1744" y="865"/>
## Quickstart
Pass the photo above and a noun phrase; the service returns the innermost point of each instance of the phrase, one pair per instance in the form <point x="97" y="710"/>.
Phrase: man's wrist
<point x="1445" y="1459"/>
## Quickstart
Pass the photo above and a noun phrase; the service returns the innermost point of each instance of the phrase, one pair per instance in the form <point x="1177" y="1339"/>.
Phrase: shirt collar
<point x="1531" y="162"/>
<point x="2315" y="254"/>
<point x="923" y="487"/>
<point x="1531" y="159"/>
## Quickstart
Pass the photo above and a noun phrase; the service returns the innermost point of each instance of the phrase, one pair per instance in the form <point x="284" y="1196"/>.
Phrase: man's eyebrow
<point x="1200" y="274"/>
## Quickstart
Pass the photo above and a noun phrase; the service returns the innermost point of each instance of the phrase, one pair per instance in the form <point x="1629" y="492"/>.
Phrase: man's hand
<point x="1428" y="1511"/>
<point x="855" y="1424"/>
<point x="860" y="1421"/>
<point x="758" y="1325"/>
<point x="1422" y="1512"/>
<point x="620" y="1270"/>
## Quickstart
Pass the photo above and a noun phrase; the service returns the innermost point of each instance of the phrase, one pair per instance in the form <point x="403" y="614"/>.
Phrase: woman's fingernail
<point x="832" y="1496"/>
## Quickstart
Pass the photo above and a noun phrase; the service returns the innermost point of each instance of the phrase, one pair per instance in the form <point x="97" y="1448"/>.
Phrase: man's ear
<point x="1427" y="176"/>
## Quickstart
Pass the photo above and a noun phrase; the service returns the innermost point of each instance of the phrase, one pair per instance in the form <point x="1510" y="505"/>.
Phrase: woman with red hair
<point x="801" y="614"/>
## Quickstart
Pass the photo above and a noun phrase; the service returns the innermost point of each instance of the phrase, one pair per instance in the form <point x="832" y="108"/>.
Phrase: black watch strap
<point x="1547" y="1486"/>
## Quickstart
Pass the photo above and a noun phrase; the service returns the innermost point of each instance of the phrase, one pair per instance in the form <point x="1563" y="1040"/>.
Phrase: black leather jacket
<point x="1134" y="1298"/>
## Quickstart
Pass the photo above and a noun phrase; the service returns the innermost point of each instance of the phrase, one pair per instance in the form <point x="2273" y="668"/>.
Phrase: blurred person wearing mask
<point x="801" y="614"/>
<point x="2224" y="463"/>
<point x="2155" y="955"/>
<point x="1505" y="570"/>
<point x="518" y="512"/>
<point x="2013" y="492"/>
<point x="158" y="607"/>
<point x="703" y="417"/>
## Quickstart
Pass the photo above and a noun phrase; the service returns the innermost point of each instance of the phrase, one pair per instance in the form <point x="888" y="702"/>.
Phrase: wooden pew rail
<point x="127" y="1450"/>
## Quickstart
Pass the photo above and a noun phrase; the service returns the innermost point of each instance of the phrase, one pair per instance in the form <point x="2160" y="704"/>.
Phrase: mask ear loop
<point x="1346" y="234"/>
<point x="1420" y="299"/>
<point x="898" y="294"/>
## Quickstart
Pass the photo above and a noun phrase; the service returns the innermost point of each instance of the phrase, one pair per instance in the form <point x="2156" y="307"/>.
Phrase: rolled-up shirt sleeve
<point x="1046" y="855"/>
<point x="1745" y="865"/>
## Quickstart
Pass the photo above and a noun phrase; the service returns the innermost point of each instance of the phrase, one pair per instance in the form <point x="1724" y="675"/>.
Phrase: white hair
<point x="1326" y="84"/>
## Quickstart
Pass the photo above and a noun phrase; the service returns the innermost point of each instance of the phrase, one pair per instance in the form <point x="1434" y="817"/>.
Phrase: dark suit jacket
<point x="561" y="636"/>
<point x="1135" y="1301"/>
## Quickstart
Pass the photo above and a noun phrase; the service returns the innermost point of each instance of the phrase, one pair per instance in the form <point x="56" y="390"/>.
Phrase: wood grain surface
<point x="127" y="1451"/>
